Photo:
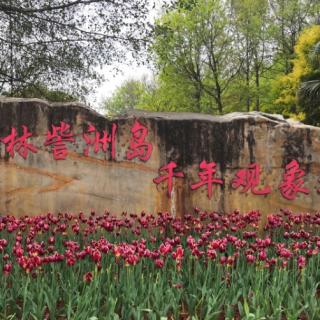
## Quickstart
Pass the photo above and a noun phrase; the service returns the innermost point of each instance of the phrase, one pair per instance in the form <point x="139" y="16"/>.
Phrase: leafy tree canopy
<point x="38" y="90"/>
<point x="218" y="56"/>
<point x="193" y="47"/>
<point x="61" y="43"/>
<point x="305" y="68"/>
<point x="130" y="95"/>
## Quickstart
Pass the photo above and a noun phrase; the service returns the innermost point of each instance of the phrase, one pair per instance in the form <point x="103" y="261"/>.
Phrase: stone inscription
<point x="67" y="157"/>
<point x="58" y="138"/>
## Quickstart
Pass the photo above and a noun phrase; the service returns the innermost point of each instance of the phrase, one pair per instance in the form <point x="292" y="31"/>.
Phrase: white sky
<point x="114" y="79"/>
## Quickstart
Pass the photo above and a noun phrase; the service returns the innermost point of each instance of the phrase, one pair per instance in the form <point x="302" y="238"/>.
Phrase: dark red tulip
<point x="7" y="268"/>
<point x="88" y="277"/>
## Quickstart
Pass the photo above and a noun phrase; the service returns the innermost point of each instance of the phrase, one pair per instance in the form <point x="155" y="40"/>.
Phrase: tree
<point x="40" y="91"/>
<point x="128" y="96"/>
<point x="194" y="53"/>
<point x="303" y="79"/>
<point x="309" y="90"/>
<point x="219" y="56"/>
<point x="61" y="43"/>
<point x="252" y="25"/>
<point x="290" y="18"/>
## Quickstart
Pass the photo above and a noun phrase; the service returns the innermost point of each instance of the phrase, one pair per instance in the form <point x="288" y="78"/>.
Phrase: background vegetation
<point x="217" y="56"/>
<point x="212" y="56"/>
<point x="59" y="45"/>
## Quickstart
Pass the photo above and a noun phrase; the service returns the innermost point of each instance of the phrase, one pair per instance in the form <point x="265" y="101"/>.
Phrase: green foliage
<point x="126" y="97"/>
<point x="193" y="48"/>
<point x="204" y="288"/>
<point x="304" y="76"/>
<point x="252" y="26"/>
<point x="290" y="18"/>
<point x="40" y="91"/>
<point x="61" y="43"/>
<point x="309" y="90"/>
<point x="218" y="56"/>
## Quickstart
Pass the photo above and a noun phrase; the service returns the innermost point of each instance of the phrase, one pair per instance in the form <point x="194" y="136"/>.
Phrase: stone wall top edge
<point x="30" y="101"/>
<point x="254" y="116"/>
<point x="251" y="117"/>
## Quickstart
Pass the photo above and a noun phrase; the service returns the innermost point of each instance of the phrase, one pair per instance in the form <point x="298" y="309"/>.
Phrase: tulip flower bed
<point x="205" y="266"/>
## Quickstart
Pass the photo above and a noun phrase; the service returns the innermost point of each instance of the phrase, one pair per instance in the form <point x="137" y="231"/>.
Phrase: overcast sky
<point x="114" y="79"/>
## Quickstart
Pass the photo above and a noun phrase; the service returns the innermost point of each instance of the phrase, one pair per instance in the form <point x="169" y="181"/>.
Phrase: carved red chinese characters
<point x="249" y="179"/>
<point x="20" y="145"/>
<point x="138" y="147"/>
<point x="169" y="176"/>
<point x="207" y="177"/>
<point x="292" y="182"/>
<point x="93" y="138"/>
<point x="58" y="138"/>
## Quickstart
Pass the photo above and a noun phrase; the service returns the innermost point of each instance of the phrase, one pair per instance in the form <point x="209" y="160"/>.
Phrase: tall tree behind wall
<point x="306" y="67"/>
<point x="220" y="56"/>
<point x="61" y="43"/>
<point x="290" y="18"/>
<point x="252" y="29"/>
<point x="194" y="53"/>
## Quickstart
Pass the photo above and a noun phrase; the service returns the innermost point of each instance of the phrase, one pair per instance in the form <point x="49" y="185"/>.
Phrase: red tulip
<point x="96" y="256"/>
<point x="88" y="277"/>
<point x="251" y="258"/>
<point x="262" y="255"/>
<point x="7" y="268"/>
<point x="178" y="254"/>
<point x="165" y="249"/>
<point x="159" y="263"/>
<point x="301" y="262"/>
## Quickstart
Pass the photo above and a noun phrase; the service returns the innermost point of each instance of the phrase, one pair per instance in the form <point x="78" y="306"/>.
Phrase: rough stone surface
<point x="41" y="184"/>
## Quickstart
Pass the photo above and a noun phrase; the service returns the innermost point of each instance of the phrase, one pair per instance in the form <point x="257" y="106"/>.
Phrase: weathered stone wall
<point x="80" y="183"/>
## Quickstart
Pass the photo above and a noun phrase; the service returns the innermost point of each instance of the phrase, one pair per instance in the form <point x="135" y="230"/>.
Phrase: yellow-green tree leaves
<point x="303" y="68"/>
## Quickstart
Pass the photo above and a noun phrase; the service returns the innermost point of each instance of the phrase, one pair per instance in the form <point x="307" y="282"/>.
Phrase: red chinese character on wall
<point x="207" y="177"/>
<point x="93" y="138"/>
<point x="169" y="176"/>
<point x="139" y="148"/>
<point x="249" y="179"/>
<point x="58" y="138"/>
<point x="292" y="182"/>
<point x="19" y="145"/>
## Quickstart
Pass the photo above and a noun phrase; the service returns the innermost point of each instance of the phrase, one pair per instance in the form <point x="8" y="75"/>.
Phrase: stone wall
<point x="40" y="184"/>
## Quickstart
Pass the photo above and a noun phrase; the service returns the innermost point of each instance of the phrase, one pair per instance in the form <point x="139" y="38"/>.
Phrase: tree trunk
<point x="257" y="76"/>
<point x="247" y="76"/>
<point x="219" y="98"/>
<point x="198" y="94"/>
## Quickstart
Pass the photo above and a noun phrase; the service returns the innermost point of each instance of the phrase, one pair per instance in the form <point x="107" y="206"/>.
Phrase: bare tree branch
<point x="9" y="8"/>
